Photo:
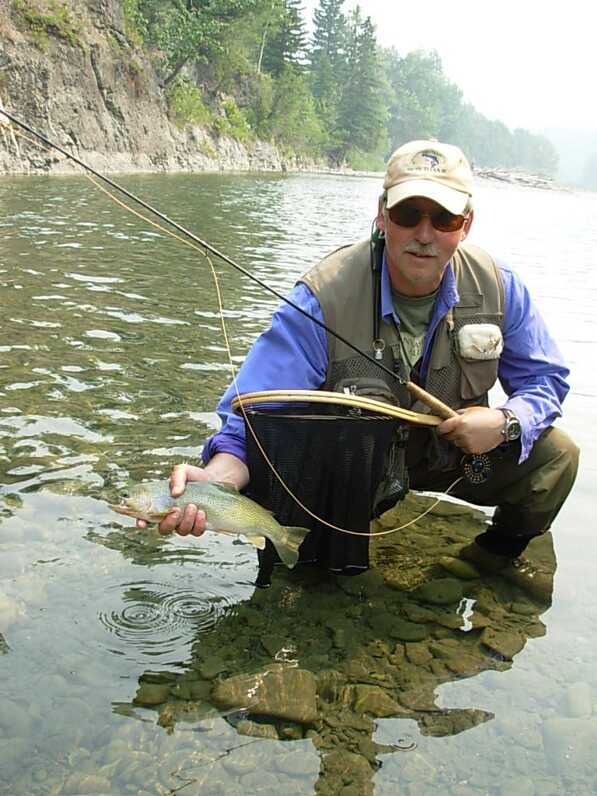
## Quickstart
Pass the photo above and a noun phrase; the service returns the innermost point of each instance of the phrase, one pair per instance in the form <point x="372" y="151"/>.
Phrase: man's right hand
<point x="189" y="519"/>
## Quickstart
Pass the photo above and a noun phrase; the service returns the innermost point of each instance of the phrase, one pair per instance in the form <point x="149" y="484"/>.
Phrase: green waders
<point x="528" y="496"/>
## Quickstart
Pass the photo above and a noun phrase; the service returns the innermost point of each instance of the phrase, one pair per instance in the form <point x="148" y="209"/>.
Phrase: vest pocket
<point x="477" y="377"/>
<point x="479" y="369"/>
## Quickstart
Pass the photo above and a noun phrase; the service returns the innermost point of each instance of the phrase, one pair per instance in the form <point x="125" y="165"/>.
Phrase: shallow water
<point x="111" y="362"/>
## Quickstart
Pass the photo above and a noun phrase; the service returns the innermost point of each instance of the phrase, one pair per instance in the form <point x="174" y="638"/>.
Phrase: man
<point x="450" y="319"/>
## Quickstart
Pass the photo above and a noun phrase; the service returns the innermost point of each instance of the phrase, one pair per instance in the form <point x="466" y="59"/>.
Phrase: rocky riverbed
<point x="319" y="681"/>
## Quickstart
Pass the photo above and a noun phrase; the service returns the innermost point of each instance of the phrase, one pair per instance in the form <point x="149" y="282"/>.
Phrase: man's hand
<point x="189" y="519"/>
<point x="477" y="429"/>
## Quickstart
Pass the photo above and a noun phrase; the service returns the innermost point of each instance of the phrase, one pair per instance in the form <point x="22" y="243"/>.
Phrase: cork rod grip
<point x="438" y="407"/>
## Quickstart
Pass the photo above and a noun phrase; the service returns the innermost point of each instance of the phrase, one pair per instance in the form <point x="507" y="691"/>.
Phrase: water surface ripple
<point x="111" y="363"/>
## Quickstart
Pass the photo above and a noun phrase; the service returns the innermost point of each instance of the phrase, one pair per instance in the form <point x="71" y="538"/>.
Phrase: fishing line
<point x="196" y="239"/>
<point x="192" y="243"/>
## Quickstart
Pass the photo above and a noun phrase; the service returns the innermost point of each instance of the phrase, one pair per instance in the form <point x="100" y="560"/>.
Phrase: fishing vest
<point x="343" y="285"/>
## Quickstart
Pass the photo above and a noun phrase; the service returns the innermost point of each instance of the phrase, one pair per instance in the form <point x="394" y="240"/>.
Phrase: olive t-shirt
<point x="414" y="314"/>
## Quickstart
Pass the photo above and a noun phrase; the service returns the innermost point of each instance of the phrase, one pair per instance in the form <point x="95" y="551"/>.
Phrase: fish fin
<point x="288" y="547"/>
<point x="258" y="541"/>
<point x="227" y="486"/>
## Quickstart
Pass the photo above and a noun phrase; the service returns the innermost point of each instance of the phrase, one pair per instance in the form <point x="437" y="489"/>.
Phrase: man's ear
<point x="467" y="225"/>
<point x="380" y="221"/>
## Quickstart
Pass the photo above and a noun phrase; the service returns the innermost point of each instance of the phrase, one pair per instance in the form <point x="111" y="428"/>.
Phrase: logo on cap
<point x="427" y="161"/>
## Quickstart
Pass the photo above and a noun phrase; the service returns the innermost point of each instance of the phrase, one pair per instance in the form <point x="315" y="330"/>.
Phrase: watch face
<point x="512" y="430"/>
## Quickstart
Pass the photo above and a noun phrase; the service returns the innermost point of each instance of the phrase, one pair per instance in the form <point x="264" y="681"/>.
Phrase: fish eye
<point x="124" y="494"/>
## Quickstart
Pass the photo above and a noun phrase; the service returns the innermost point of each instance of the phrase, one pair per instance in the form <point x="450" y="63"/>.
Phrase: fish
<point x="226" y="511"/>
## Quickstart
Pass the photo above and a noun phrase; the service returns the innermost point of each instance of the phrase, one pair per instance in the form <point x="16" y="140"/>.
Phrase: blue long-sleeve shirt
<point x="293" y="354"/>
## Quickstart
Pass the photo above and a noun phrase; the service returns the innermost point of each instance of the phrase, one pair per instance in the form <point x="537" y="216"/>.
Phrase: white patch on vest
<point x="480" y="341"/>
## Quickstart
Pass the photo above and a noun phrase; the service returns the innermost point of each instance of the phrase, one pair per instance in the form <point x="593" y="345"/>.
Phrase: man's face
<point x="417" y="256"/>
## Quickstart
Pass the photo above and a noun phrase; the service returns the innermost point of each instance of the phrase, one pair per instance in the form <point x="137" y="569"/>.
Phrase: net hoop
<point x="323" y="397"/>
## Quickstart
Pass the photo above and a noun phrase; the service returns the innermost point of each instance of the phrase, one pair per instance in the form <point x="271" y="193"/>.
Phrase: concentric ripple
<point x="153" y="621"/>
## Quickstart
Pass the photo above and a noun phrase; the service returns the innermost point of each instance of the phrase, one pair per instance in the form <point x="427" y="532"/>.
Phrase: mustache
<point x="422" y="249"/>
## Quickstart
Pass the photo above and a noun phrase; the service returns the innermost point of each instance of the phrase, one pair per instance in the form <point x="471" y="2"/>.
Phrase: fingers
<point x="178" y="480"/>
<point x="184" y="521"/>
<point x="448" y="426"/>
<point x="181" y="473"/>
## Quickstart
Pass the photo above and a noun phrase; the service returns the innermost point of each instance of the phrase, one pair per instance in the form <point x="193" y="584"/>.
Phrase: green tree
<point x="187" y="30"/>
<point x="327" y="59"/>
<point x="423" y="100"/>
<point x="292" y="120"/>
<point x="288" y="40"/>
<point x="362" y="110"/>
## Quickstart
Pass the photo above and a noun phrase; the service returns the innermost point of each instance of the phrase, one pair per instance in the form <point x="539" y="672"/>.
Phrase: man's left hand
<point x="477" y="429"/>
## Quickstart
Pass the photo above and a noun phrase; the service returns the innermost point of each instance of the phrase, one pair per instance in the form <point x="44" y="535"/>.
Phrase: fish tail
<point x="288" y="547"/>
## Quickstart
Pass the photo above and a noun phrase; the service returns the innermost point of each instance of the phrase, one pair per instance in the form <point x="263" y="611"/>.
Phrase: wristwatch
<point x="511" y="429"/>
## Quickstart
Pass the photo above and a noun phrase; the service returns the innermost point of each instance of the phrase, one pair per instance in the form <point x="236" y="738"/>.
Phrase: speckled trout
<point x="226" y="511"/>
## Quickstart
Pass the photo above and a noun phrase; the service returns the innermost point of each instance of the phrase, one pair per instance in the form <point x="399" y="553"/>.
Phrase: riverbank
<point x="99" y="97"/>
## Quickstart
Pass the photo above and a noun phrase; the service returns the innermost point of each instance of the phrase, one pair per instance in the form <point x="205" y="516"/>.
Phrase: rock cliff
<point x="69" y="71"/>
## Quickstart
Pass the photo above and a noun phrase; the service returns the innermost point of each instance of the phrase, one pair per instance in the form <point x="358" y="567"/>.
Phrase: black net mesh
<point x="334" y="463"/>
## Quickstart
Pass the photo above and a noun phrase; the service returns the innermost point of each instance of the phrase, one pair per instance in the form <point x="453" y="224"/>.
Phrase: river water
<point x="113" y="641"/>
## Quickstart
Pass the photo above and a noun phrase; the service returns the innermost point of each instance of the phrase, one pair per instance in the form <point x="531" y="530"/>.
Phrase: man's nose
<point x="424" y="230"/>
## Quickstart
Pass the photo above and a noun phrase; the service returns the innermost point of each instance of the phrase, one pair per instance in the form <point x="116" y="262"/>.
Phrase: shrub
<point x="233" y="122"/>
<point x="46" y="19"/>
<point x="186" y="103"/>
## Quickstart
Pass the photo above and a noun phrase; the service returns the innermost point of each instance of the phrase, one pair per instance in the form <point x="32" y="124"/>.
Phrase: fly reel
<point x="477" y="468"/>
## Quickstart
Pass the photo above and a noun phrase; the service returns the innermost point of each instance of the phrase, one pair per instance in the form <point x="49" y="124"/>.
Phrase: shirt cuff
<point x="223" y="443"/>
<point x="529" y="433"/>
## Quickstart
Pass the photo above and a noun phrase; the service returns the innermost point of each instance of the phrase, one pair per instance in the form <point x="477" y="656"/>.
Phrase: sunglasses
<point x="406" y="215"/>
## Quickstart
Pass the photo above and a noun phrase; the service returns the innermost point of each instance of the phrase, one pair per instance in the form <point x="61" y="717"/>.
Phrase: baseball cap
<point x="431" y="169"/>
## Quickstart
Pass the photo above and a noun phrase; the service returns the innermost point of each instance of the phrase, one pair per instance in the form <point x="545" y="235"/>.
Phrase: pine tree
<point x="287" y="41"/>
<point x="327" y="59"/>
<point x="362" y="113"/>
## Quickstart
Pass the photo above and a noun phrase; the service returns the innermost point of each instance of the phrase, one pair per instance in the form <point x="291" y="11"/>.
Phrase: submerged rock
<point x="255" y="730"/>
<point x="149" y="694"/>
<point x="461" y="569"/>
<point x="443" y="591"/>
<point x="506" y="643"/>
<point x="374" y="700"/>
<point x="403" y="630"/>
<point x="289" y="694"/>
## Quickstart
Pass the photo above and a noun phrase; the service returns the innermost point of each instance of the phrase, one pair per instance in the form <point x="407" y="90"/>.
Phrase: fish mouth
<point x="126" y="511"/>
<point x="122" y="508"/>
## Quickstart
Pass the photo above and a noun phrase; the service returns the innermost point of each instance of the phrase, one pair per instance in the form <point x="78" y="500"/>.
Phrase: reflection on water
<point x="136" y="664"/>
<point x="353" y="665"/>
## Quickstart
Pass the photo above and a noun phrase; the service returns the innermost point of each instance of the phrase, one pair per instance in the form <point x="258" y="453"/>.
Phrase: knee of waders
<point x="565" y="459"/>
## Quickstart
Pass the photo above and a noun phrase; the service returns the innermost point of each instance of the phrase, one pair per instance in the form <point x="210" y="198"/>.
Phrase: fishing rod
<point x="442" y="409"/>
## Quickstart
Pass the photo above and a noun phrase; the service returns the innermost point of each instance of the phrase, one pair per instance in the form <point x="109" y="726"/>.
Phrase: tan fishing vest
<point x="343" y="285"/>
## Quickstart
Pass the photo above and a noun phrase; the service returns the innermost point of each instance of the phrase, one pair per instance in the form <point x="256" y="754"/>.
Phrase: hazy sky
<point x="526" y="62"/>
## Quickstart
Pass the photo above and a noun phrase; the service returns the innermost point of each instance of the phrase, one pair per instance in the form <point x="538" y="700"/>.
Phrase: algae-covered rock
<point x="149" y="694"/>
<point x="403" y="630"/>
<point x="506" y="643"/>
<point x="347" y="769"/>
<point x="285" y="693"/>
<point x="255" y="730"/>
<point x="211" y="667"/>
<point x="373" y="700"/>
<point x="418" y="653"/>
<point x="366" y="583"/>
<point x="273" y="643"/>
<point x="459" y="568"/>
<point x="443" y="591"/>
